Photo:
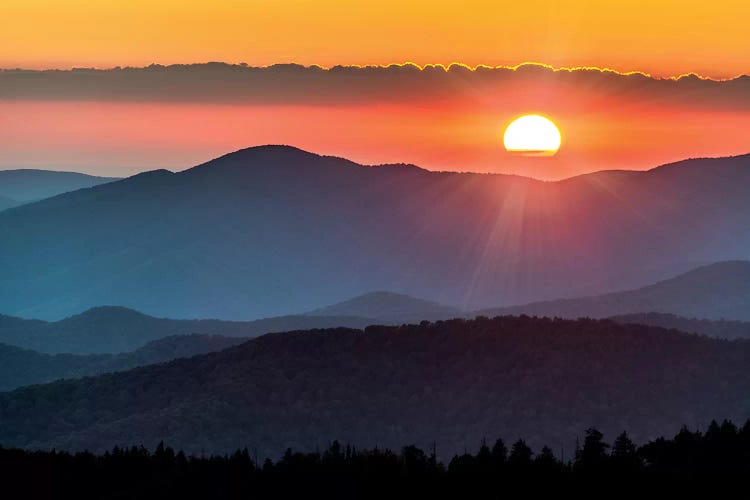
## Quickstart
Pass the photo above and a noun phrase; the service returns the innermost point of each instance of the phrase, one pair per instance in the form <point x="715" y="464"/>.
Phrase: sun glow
<point x="532" y="135"/>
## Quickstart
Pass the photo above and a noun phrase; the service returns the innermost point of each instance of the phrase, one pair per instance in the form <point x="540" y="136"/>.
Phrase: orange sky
<point x="102" y="137"/>
<point x="662" y="37"/>
<point x="121" y="122"/>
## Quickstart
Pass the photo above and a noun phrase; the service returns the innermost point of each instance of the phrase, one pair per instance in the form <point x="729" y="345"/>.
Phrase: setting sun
<point x="532" y="135"/>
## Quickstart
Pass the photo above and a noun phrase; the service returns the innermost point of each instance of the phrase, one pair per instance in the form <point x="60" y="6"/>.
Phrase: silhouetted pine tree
<point x="593" y="456"/>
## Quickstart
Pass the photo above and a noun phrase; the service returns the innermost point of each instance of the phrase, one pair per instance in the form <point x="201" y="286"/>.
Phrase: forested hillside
<point x="451" y="382"/>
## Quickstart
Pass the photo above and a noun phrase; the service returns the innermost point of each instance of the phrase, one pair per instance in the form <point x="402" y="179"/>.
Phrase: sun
<point x="533" y="135"/>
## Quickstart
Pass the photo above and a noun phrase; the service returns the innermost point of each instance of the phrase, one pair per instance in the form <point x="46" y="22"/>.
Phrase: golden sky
<point x="661" y="37"/>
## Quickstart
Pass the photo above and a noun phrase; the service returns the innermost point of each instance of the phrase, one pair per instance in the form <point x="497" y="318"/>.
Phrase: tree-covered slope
<point x="451" y="382"/>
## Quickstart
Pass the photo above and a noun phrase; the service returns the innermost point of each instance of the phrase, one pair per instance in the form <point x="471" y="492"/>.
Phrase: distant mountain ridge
<point x="20" y="367"/>
<point x="25" y="185"/>
<point x="719" y="291"/>
<point x="108" y="329"/>
<point x="723" y="329"/>
<point x="115" y="329"/>
<point x="271" y="230"/>
<point x="716" y="291"/>
<point x="444" y="383"/>
<point x="390" y="307"/>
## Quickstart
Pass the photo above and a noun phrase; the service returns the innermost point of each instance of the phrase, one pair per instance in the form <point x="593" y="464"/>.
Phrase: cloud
<point x="352" y="85"/>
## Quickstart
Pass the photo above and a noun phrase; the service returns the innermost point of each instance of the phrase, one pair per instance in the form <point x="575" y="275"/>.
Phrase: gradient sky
<point x="662" y="37"/>
<point x="118" y="122"/>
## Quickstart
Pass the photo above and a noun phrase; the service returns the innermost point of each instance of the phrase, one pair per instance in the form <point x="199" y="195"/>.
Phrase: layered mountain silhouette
<point x="716" y="291"/>
<point x="449" y="383"/>
<point x="19" y="367"/>
<point x="274" y="230"/>
<point x="118" y="329"/>
<point x="719" y="291"/>
<point x="26" y="185"/>
<point x="389" y="308"/>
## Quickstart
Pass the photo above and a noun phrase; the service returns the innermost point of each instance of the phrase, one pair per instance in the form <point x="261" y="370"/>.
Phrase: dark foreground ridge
<point x="451" y="382"/>
<point x="690" y="461"/>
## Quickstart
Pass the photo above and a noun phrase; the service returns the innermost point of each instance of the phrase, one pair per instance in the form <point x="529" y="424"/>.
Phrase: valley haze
<point x="274" y="230"/>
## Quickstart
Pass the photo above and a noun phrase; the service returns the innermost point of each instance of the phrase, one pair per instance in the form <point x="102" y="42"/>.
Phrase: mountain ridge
<point x="449" y="382"/>
<point x="715" y="291"/>
<point x="116" y="329"/>
<point x="473" y="240"/>
<point x="22" y="367"/>
<point x="29" y="185"/>
<point x="389" y="307"/>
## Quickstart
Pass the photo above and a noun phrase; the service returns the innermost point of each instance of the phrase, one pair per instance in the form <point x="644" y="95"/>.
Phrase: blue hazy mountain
<point x="717" y="291"/>
<point x="25" y="185"/>
<point x="389" y="308"/>
<point x="273" y="230"/>
<point x="19" y="367"/>
<point x="6" y="202"/>
<point x="723" y="329"/>
<point x="118" y="329"/>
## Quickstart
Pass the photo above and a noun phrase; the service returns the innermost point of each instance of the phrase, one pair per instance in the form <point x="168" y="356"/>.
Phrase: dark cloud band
<point x="351" y="85"/>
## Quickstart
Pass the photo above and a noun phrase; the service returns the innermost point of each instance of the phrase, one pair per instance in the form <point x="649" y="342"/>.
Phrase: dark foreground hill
<point x="25" y="185"/>
<point x="118" y="329"/>
<point x="19" y="367"/>
<point x="272" y="230"/>
<point x="451" y="382"/>
<point x="716" y="291"/>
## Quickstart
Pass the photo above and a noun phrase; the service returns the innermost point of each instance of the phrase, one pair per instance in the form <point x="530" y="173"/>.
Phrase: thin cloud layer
<point x="351" y="85"/>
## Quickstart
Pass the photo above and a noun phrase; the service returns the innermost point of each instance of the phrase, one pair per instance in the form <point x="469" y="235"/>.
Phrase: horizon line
<point x="647" y="169"/>
<point x="414" y="165"/>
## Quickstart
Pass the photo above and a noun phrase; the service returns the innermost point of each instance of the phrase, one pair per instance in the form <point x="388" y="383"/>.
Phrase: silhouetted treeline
<point x="690" y="461"/>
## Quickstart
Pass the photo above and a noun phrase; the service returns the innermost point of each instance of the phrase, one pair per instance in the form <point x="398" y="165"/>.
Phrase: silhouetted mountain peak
<point x="271" y="151"/>
<point x="273" y="158"/>
<point x="389" y="306"/>
<point x="109" y="313"/>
